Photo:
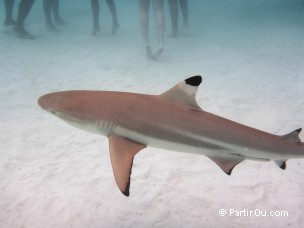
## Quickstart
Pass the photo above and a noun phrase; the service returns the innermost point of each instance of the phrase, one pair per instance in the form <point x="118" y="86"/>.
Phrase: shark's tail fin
<point x="291" y="137"/>
<point x="281" y="164"/>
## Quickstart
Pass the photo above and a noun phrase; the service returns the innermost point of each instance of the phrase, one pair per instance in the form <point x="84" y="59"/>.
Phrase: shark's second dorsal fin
<point x="184" y="92"/>
<point x="293" y="136"/>
<point x="122" y="152"/>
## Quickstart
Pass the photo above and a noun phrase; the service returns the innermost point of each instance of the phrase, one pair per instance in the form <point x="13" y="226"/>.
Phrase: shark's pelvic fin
<point x="226" y="165"/>
<point x="293" y="136"/>
<point x="281" y="164"/>
<point x="185" y="92"/>
<point x="122" y="152"/>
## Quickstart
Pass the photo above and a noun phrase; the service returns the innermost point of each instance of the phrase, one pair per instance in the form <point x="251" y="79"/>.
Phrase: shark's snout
<point x="42" y="101"/>
<point x="58" y="102"/>
<point x="48" y="102"/>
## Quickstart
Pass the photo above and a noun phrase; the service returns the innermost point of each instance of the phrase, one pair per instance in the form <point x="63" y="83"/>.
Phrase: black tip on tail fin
<point x="281" y="164"/>
<point x="194" y="81"/>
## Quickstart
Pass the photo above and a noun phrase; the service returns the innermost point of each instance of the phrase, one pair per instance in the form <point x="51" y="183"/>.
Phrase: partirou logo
<point x="250" y="213"/>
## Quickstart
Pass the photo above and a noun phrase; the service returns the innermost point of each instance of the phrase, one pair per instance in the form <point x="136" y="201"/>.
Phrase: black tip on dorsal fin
<point x="299" y="130"/>
<point x="194" y="81"/>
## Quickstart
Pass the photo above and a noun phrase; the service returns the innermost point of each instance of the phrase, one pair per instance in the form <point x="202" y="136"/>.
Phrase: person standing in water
<point x="144" y="6"/>
<point x="50" y="6"/>
<point x="23" y="11"/>
<point x="95" y="12"/>
<point x="173" y="4"/>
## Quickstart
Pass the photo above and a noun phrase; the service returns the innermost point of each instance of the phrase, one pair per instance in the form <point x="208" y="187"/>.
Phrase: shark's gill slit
<point x="97" y="125"/>
<point x="105" y="126"/>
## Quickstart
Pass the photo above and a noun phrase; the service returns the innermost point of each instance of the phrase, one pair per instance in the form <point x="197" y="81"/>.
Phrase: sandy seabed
<point x="52" y="175"/>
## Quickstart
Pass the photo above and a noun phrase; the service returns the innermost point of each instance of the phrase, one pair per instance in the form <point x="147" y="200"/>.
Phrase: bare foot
<point x="52" y="28"/>
<point x="9" y="22"/>
<point x="157" y="54"/>
<point x="115" y="27"/>
<point x="96" y="29"/>
<point x="149" y="52"/>
<point x="174" y="34"/>
<point x="59" y="21"/>
<point x="22" y="33"/>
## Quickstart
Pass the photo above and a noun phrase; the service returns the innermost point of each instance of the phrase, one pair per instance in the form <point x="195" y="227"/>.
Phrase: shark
<point x="172" y="120"/>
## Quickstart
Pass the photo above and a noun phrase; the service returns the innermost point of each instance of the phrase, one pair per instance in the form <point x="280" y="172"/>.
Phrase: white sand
<point x="52" y="175"/>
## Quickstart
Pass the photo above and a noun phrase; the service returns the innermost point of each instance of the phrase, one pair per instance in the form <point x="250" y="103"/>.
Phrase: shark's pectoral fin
<point x="281" y="164"/>
<point x="184" y="93"/>
<point x="122" y="152"/>
<point x="226" y="165"/>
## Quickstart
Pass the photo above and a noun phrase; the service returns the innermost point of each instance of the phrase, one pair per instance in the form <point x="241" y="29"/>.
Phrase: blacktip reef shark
<point x="173" y="121"/>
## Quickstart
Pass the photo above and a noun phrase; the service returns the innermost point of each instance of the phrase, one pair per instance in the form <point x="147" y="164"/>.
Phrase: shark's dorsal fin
<point x="122" y="152"/>
<point x="293" y="136"/>
<point x="185" y="92"/>
<point x="226" y="165"/>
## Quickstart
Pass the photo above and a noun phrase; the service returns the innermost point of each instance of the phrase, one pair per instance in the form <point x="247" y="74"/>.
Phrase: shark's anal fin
<point x="122" y="152"/>
<point x="281" y="164"/>
<point x="226" y="165"/>
<point x="184" y="93"/>
<point x="293" y="136"/>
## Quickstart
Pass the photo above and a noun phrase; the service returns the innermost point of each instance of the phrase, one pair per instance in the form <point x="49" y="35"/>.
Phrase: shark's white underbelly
<point x="213" y="149"/>
<point x="186" y="142"/>
<point x="189" y="143"/>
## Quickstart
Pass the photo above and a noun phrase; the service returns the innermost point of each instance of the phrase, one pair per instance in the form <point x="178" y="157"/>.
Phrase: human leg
<point x="47" y="7"/>
<point x="115" y="24"/>
<point x="23" y="11"/>
<point x="57" y="18"/>
<point x="160" y="24"/>
<point x="95" y="13"/>
<point x="144" y="24"/>
<point x="174" y="16"/>
<point x="184" y="8"/>
<point x="9" y="4"/>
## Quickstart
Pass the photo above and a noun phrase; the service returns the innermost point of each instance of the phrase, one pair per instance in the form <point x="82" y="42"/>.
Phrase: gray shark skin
<point x="173" y="121"/>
